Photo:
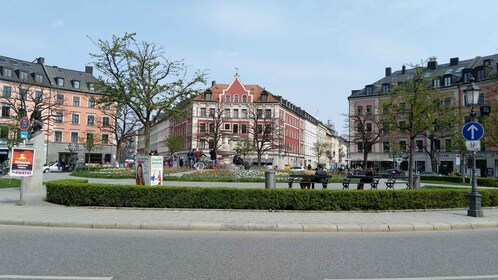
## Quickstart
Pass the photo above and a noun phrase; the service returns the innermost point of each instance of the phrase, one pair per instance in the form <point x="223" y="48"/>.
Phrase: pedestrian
<point x="59" y="165"/>
<point x="212" y="153"/>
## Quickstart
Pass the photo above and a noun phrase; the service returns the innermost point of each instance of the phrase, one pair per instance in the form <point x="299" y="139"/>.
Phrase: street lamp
<point x="472" y="96"/>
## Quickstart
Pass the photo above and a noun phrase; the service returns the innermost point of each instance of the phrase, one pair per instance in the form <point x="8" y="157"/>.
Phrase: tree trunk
<point x="147" y="138"/>
<point x="411" y="163"/>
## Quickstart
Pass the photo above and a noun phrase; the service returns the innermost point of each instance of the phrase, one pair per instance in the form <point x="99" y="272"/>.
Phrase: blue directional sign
<point x="24" y="135"/>
<point x="472" y="131"/>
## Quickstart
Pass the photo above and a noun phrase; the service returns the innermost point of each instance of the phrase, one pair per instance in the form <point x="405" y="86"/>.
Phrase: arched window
<point x="244" y="98"/>
<point x="235" y="99"/>
<point x="227" y="98"/>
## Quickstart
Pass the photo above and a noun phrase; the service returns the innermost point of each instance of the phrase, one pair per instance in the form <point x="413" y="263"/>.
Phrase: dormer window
<point x="38" y="78"/>
<point x="227" y="98"/>
<point x="466" y="77"/>
<point x="7" y="73"/>
<point x="436" y="83"/>
<point x="369" y="90"/>
<point x="447" y="81"/>
<point x="264" y="96"/>
<point x="385" y="88"/>
<point x="207" y="95"/>
<point x="76" y="84"/>
<point x="60" y="82"/>
<point x="23" y="75"/>
<point x="487" y="62"/>
<point x="91" y="87"/>
<point x="481" y="75"/>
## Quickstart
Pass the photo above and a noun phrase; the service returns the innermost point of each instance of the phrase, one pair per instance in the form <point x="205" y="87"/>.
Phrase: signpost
<point x="24" y="123"/>
<point x="472" y="131"/>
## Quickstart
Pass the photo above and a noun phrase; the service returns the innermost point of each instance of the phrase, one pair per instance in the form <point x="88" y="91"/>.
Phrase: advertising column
<point x="149" y="170"/>
<point x="22" y="165"/>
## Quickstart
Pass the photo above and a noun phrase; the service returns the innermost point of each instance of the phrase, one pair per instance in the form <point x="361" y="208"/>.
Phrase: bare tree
<point x="264" y="130"/>
<point x="319" y="148"/>
<point x="91" y="143"/>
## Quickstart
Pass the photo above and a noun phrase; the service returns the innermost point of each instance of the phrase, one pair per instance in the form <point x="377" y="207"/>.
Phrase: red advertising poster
<point x="22" y="162"/>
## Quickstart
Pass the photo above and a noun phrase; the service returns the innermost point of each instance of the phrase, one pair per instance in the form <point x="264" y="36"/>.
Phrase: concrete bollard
<point x="416" y="182"/>
<point x="270" y="181"/>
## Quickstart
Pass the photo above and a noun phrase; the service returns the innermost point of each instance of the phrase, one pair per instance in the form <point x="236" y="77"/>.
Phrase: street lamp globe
<point x="472" y="94"/>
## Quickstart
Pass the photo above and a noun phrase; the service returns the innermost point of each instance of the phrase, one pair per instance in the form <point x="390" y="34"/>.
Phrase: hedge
<point x="482" y="182"/>
<point x="81" y="193"/>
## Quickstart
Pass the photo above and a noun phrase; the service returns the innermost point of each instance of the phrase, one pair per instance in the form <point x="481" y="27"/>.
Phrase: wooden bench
<point x="347" y="181"/>
<point x="396" y="181"/>
<point x="308" y="179"/>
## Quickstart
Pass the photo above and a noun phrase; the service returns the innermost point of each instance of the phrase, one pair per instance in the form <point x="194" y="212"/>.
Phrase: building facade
<point x="241" y="109"/>
<point x="449" y="80"/>
<point x="62" y="103"/>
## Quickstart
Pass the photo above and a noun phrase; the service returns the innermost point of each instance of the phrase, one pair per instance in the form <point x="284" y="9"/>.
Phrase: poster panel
<point x="142" y="168"/>
<point x="156" y="168"/>
<point x="22" y="162"/>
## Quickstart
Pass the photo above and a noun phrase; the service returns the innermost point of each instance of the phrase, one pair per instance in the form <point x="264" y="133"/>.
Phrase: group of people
<point x="319" y="170"/>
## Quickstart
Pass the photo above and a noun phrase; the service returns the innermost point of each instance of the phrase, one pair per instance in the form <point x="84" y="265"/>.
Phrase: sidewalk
<point x="37" y="212"/>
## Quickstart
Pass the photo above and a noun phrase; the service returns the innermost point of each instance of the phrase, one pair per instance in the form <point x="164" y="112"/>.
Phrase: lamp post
<point x="72" y="148"/>
<point x="472" y="95"/>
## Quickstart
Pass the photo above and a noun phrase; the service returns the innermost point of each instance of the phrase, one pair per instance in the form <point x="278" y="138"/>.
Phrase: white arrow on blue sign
<point x="472" y="131"/>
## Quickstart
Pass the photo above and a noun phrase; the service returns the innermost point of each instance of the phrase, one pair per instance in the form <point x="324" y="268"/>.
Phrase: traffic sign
<point x="24" y="135"/>
<point x="24" y="123"/>
<point x="473" y="145"/>
<point x="472" y="131"/>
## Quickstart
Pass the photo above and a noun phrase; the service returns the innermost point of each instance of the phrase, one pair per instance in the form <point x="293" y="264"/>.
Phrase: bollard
<point x="270" y="179"/>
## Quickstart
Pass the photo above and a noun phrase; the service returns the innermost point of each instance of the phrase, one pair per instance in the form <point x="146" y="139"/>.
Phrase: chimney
<point x="432" y="64"/>
<point x="213" y="83"/>
<point x="40" y="60"/>
<point x="453" y="61"/>
<point x="89" y="70"/>
<point x="403" y="70"/>
<point x="388" y="71"/>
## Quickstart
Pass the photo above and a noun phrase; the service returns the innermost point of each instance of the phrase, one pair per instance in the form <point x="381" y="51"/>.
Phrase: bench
<point x="308" y="180"/>
<point x="347" y="181"/>
<point x="395" y="181"/>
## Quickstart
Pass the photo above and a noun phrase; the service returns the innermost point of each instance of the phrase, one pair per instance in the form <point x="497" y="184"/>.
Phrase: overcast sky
<point x="312" y="53"/>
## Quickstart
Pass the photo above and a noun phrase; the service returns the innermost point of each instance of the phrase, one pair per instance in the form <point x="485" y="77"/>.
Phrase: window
<point x="227" y="126"/>
<point x="369" y="128"/>
<point x="437" y="144"/>
<point x="60" y="99"/>
<point x="5" y="111"/>
<point x="466" y="77"/>
<point x="7" y="73"/>
<point x="23" y="94"/>
<point x="106" y="121"/>
<point x="58" y="136"/>
<point x="202" y="127"/>
<point x="60" y="82"/>
<point x="360" y="146"/>
<point x="91" y="102"/>
<point x="38" y="96"/>
<point x="369" y="90"/>
<point x="447" y="101"/>
<point x="243" y="128"/>
<point x="59" y="116"/>
<point x="211" y="127"/>
<point x="386" y="147"/>
<point x="74" y="137"/>
<point x="76" y="84"/>
<point x="203" y="112"/>
<point x="38" y="78"/>
<point x="244" y="113"/>
<point x="105" y="139"/>
<point x="402" y="145"/>
<point x="447" y="144"/>
<point x="208" y="95"/>
<point x="90" y="120"/>
<point x="6" y="91"/>
<point x="259" y="113"/>
<point x="89" y="137"/>
<point x="402" y="125"/>
<point x="259" y="129"/>
<point x="212" y="112"/>
<point x="227" y="98"/>
<point x="244" y="98"/>
<point x="436" y="83"/>
<point x="264" y="97"/>
<point x="447" y="81"/>
<point x="268" y="129"/>
<point x="202" y="143"/>
<point x="268" y="113"/>
<point x="4" y="132"/>
<point x="235" y="128"/>
<point x="75" y="119"/>
<point x="226" y="113"/>
<point x="369" y="109"/>
<point x="91" y="87"/>
<point x="107" y="105"/>
<point x="402" y="107"/>
<point x="21" y="112"/>
<point x="235" y="99"/>
<point x="419" y="145"/>
<point x="359" y="110"/>
<point x="236" y="113"/>
<point x="385" y="88"/>
<point x="481" y="74"/>
<point x="23" y="75"/>
<point x="76" y="101"/>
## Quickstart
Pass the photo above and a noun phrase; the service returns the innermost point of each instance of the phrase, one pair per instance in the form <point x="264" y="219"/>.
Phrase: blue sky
<point x="312" y="53"/>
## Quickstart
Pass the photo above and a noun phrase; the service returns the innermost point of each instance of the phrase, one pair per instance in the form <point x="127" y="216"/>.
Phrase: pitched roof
<point x="17" y="66"/>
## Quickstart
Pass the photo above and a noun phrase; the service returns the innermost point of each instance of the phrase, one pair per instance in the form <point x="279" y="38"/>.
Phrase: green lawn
<point x="9" y="183"/>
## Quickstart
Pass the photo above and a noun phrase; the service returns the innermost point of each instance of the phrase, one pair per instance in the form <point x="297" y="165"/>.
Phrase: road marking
<point x="431" y="278"/>
<point x="2" y="277"/>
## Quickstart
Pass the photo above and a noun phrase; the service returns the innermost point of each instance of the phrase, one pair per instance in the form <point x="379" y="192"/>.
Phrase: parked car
<point x="297" y="168"/>
<point x="429" y="173"/>
<point x="388" y="172"/>
<point x="51" y="167"/>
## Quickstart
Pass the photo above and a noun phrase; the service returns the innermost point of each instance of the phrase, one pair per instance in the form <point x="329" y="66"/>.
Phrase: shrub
<point x="80" y="193"/>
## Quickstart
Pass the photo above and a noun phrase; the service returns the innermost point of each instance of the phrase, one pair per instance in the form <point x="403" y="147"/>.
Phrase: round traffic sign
<point x="472" y="131"/>
<point x="24" y="123"/>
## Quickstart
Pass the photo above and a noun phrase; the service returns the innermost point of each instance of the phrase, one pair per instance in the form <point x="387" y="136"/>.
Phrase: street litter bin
<point x="270" y="179"/>
<point x="416" y="182"/>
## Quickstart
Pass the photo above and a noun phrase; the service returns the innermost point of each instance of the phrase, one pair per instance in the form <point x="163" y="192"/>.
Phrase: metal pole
<point x="474" y="197"/>
<point x="21" y="201"/>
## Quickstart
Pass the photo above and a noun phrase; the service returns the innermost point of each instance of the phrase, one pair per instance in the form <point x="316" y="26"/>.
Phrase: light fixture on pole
<point x="472" y="96"/>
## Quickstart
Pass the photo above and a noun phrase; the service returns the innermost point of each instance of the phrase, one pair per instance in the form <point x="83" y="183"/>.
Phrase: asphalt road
<point x="44" y="253"/>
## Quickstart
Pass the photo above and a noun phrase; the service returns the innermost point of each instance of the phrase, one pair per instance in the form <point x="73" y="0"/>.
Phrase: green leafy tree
<point x="139" y="74"/>
<point x="91" y="143"/>
<point x="174" y="142"/>
<point x="413" y="109"/>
